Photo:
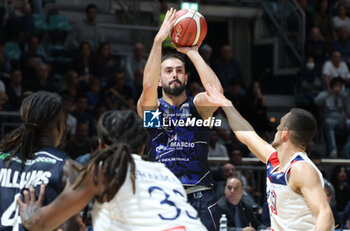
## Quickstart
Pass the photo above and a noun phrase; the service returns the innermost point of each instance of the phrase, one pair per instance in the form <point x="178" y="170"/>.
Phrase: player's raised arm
<point x="304" y="180"/>
<point x="149" y="97"/>
<point x="206" y="74"/>
<point x="242" y="129"/>
<point x="204" y="106"/>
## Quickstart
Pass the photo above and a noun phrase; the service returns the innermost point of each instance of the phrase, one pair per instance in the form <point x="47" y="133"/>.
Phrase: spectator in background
<point x="317" y="48"/>
<point x="134" y="62"/>
<point x="5" y="64"/>
<point x="239" y="215"/>
<point x="106" y="65"/>
<point x="84" y="63"/>
<point x="206" y="51"/>
<point x="346" y="226"/>
<point x="341" y="19"/>
<point x="68" y="105"/>
<point x="334" y="67"/>
<point x="234" y="93"/>
<point x="323" y="20"/>
<point x="80" y="143"/>
<point x="137" y="84"/>
<point x="85" y="31"/>
<point x="254" y="109"/>
<point x="71" y="85"/>
<point x="14" y="90"/>
<point x="94" y="94"/>
<point x="329" y="190"/>
<point x="308" y="16"/>
<point x="216" y="149"/>
<point x="119" y="95"/>
<point x="228" y="69"/>
<point x="19" y="20"/>
<point x="335" y="117"/>
<point x="29" y="60"/>
<point x="194" y="88"/>
<point x="342" y="189"/>
<point x="235" y="156"/>
<point x="226" y="171"/>
<point x="316" y="159"/>
<point x="309" y="81"/>
<point x="85" y="159"/>
<point x="41" y="81"/>
<point x="3" y="96"/>
<point x="342" y="44"/>
<point x="82" y="116"/>
<point x="100" y="109"/>
<point x="346" y="217"/>
<point x="251" y="185"/>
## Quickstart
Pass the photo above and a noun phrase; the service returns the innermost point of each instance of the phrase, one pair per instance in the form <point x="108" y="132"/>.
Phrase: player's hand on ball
<point x="185" y="50"/>
<point x="167" y="25"/>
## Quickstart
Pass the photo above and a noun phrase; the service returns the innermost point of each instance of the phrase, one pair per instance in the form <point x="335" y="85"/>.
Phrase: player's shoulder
<point x="303" y="171"/>
<point x="54" y="153"/>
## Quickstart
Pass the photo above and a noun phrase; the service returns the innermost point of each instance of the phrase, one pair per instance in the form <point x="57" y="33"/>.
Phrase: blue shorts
<point x="206" y="205"/>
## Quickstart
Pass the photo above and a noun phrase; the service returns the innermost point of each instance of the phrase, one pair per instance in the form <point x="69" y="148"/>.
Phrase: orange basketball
<point x="189" y="29"/>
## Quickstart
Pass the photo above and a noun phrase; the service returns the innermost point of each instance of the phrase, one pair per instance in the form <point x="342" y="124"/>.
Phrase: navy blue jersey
<point x="182" y="148"/>
<point x="45" y="168"/>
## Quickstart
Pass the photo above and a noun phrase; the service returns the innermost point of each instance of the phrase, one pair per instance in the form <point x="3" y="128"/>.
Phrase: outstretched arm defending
<point x="242" y="129"/>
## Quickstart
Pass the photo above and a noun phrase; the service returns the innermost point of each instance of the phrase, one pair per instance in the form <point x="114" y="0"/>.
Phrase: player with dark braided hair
<point x="28" y="157"/>
<point x="129" y="193"/>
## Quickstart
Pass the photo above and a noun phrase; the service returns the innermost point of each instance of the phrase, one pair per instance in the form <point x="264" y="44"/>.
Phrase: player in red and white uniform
<point x="296" y="197"/>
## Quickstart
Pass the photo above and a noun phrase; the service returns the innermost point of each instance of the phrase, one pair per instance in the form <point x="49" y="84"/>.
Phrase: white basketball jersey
<point x="288" y="209"/>
<point x="159" y="203"/>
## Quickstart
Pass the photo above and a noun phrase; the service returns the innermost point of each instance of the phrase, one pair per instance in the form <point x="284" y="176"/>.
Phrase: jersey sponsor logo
<point x="15" y="179"/>
<point x="271" y="199"/>
<point x="41" y="159"/>
<point x="151" y="118"/>
<point x="174" y="143"/>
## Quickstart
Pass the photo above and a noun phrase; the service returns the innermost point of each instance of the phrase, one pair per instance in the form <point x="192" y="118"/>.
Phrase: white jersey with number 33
<point x="159" y="203"/>
<point x="288" y="209"/>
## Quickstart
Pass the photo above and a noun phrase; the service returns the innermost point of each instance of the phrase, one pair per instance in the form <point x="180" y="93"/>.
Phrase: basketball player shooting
<point x="295" y="192"/>
<point x="183" y="149"/>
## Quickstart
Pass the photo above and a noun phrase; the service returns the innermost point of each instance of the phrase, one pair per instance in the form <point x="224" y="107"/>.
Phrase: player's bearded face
<point x="173" y="79"/>
<point x="175" y="87"/>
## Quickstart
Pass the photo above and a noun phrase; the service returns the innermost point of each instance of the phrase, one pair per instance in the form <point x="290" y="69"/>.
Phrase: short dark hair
<point x="302" y="125"/>
<point x="175" y="55"/>
<point x="90" y="6"/>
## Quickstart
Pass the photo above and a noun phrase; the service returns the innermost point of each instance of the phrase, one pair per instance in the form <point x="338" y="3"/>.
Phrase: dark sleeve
<point x="265" y="216"/>
<point x="251" y="218"/>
